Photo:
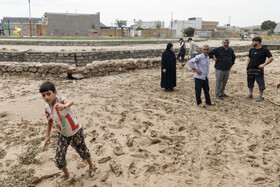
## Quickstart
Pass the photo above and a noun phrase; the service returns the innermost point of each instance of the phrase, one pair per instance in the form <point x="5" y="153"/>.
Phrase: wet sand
<point x="140" y="135"/>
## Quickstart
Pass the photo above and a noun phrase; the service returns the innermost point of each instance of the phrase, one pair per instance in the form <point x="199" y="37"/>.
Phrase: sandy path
<point x="153" y="138"/>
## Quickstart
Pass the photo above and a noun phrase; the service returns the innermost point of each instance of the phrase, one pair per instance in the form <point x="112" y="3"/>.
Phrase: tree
<point x="120" y="23"/>
<point x="139" y="28"/>
<point x="268" y="25"/>
<point x="189" y="31"/>
<point x="158" y="24"/>
<point x="92" y="26"/>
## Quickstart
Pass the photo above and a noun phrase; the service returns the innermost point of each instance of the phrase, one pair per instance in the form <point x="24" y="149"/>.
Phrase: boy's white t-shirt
<point x="65" y="120"/>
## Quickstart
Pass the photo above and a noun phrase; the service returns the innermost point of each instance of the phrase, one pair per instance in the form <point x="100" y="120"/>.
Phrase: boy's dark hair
<point x="257" y="39"/>
<point x="46" y="86"/>
<point x="181" y="39"/>
<point x="189" y="39"/>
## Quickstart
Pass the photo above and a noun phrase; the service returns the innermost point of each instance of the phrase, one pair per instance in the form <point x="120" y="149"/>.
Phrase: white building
<point x="149" y="24"/>
<point x="180" y="25"/>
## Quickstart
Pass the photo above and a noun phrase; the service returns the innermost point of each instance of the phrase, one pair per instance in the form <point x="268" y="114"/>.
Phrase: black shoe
<point x="201" y="105"/>
<point x="224" y="95"/>
<point x="219" y="97"/>
<point x="168" y="89"/>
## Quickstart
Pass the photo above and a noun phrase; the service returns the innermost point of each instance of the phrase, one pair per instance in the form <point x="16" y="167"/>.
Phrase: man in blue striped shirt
<point x="200" y="65"/>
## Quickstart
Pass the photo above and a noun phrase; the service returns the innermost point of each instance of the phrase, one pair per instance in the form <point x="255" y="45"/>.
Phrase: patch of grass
<point x="19" y="177"/>
<point x="28" y="157"/>
<point x="35" y="142"/>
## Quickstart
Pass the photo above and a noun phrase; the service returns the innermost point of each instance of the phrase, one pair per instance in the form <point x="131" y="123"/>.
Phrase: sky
<point x="236" y="12"/>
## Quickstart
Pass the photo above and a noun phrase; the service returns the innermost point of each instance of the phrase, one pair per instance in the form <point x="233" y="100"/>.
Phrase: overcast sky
<point x="239" y="12"/>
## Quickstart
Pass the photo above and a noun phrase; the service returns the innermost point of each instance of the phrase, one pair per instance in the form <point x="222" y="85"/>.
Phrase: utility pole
<point x="30" y="19"/>
<point x="172" y="24"/>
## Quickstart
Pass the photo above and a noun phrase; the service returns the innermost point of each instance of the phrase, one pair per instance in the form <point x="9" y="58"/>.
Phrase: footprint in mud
<point x="152" y="169"/>
<point x="148" y="123"/>
<point x="115" y="168"/>
<point x="99" y="150"/>
<point x="252" y="147"/>
<point x="94" y="134"/>
<point x="153" y="134"/>
<point x="108" y="135"/>
<point x="105" y="176"/>
<point x="72" y="181"/>
<point x="132" y="168"/>
<point x="129" y="141"/>
<point x="140" y="129"/>
<point x="123" y="117"/>
<point x="155" y="141"/>
<point x="104" y="160"/>
<point x="118" y="125"/>
<point x="172" y="130"/>
<point x="118" y="150"/>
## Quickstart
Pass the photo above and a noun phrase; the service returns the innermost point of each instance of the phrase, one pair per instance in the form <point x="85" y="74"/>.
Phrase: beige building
<point x="209" y="25"/>
<point x="71" y="24"/>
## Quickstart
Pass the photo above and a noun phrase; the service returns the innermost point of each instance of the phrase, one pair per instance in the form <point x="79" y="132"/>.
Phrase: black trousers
<point x="181" y="55"/>
<point x="199" y="84"/>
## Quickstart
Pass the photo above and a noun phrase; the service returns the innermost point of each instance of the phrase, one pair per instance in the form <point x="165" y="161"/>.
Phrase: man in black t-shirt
<point x="224" y="59"/>
<point x="255" y="66"/>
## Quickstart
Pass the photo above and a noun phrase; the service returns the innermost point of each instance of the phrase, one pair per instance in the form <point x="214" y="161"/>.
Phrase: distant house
<point x="149" y="24"/>
<point x="71" y="24"/>
<point x="196" y="22"/>
<point x="230" y="28"/>
<point x="277" y="28"/>
<point x="180" y="25"/>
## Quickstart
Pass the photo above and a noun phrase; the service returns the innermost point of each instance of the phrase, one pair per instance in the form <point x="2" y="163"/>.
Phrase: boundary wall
<point x="83" y="58"/>
<point x="64" y="71"/>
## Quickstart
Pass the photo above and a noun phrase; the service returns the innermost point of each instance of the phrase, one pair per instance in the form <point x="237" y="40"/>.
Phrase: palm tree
<point x="120" y="24"/>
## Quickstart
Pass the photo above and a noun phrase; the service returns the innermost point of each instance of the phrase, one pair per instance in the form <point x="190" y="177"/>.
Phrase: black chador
<point x="168" y="62"/>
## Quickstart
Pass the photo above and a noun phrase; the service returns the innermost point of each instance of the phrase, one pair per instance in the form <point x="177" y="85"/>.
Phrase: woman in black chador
<point x="168" y="68"/>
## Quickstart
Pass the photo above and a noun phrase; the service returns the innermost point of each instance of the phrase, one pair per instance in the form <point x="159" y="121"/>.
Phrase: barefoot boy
<point x="58" y="110"/>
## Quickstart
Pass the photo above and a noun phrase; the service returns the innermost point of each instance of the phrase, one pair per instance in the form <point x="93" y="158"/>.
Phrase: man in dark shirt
<point x="255" y="67"/>
<point x="224" y="57"/>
